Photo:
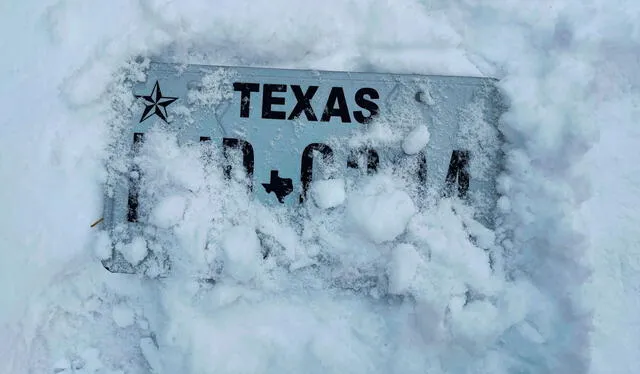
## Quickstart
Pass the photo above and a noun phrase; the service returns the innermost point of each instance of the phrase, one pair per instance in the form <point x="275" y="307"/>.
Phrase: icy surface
<point x="374" y="282"/>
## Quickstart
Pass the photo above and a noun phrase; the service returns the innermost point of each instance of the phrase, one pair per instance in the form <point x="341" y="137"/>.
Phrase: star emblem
<point x="156" y="104"/>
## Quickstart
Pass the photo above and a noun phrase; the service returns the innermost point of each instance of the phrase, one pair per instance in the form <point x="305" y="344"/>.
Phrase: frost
<point x="214" y="88"/>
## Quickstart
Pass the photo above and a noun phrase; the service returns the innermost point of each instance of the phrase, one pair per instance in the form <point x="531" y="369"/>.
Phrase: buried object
<point x="282" y="125"/>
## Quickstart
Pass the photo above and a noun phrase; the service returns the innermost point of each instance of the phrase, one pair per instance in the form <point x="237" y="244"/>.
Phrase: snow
<point x="367" y="281"/>
<point x="242" y="255"/>
<point x="214" y="88"/>
<point x="103" y="246"/>
<point x="381" y="211"/>
<point x="328" y="193"/>
<point x="150" y="353"/>
<point x="122" y="315"/>
<point x="61" y="366"/>
<point x="135" y="251"/>
<point x="611" y="218"/>
<point x="403" y="267"/>
<point x="168" y="212"/>
<point x="416" y="140"/>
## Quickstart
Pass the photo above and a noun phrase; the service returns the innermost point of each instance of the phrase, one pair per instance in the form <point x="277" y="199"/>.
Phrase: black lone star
<point x="156" y="104"/>
<point x="280" y="186"/>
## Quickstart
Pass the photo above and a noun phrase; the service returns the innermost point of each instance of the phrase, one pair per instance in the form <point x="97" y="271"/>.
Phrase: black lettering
<point x="134" y="181"/>
<point x="306" y="165"/>
<point x="268" y="100"/>
<point x="247" y="157"/>
<point x="458" y="174"/>
<point x="342" y="111"/>
<point x="422" y="168"/>
<point x="245" y="96"/>
<point x="304" y="102"/>
<point x="372" y="159"/>
<point x="367" y="104"/>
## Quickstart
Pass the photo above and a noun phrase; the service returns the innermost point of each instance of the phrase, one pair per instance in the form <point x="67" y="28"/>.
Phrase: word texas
<point x="335" y="104"/>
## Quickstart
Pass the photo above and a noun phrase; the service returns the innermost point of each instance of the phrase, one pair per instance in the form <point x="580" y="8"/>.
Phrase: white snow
<point x="403" y="267"/>
<point x="516" y="298"/>
<point x="416" y="140"/>
<point x="611" y="218"/>
<point x="328" y="193"/>
<point x="242" y="256"/>
<point x="151" y="355"/>
<point x="103" y="247"/>
<point x="92" y="362"/>
<point x="123" y="315"/>
<point x="135" y="251"/>
<point x="168" y="212"/>
<point x="215" y="87"/>
<point x="61" y="366"/>
<point x="381" y="211"/>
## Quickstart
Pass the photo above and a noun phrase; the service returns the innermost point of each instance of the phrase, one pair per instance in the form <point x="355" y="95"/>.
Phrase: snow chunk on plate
<point x="403" y="268"/>
<point x="242" y="255"/>
<point x="169" y="211"/>
<point x="328" y="193"/>
<point x="382" y="216"/>
<point x="416" y="140"/>
<point x="135" y="251"/>
<point x="214" y="88"/>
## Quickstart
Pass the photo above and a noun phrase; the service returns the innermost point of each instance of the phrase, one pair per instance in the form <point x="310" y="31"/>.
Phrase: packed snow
<point x="416" y="140"/>
<point x="373" y="281"/>
<point x="328" y="193"/>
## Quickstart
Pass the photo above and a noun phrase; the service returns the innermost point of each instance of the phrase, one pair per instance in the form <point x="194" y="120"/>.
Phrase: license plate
<point x="281" y="123"/>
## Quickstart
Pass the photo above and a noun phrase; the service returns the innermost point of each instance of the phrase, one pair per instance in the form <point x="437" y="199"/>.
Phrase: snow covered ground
<point x="563" y="297"/>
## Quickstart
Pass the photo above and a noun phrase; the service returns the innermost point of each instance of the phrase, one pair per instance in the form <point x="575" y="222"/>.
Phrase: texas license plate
<point x="281" y="123"/>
